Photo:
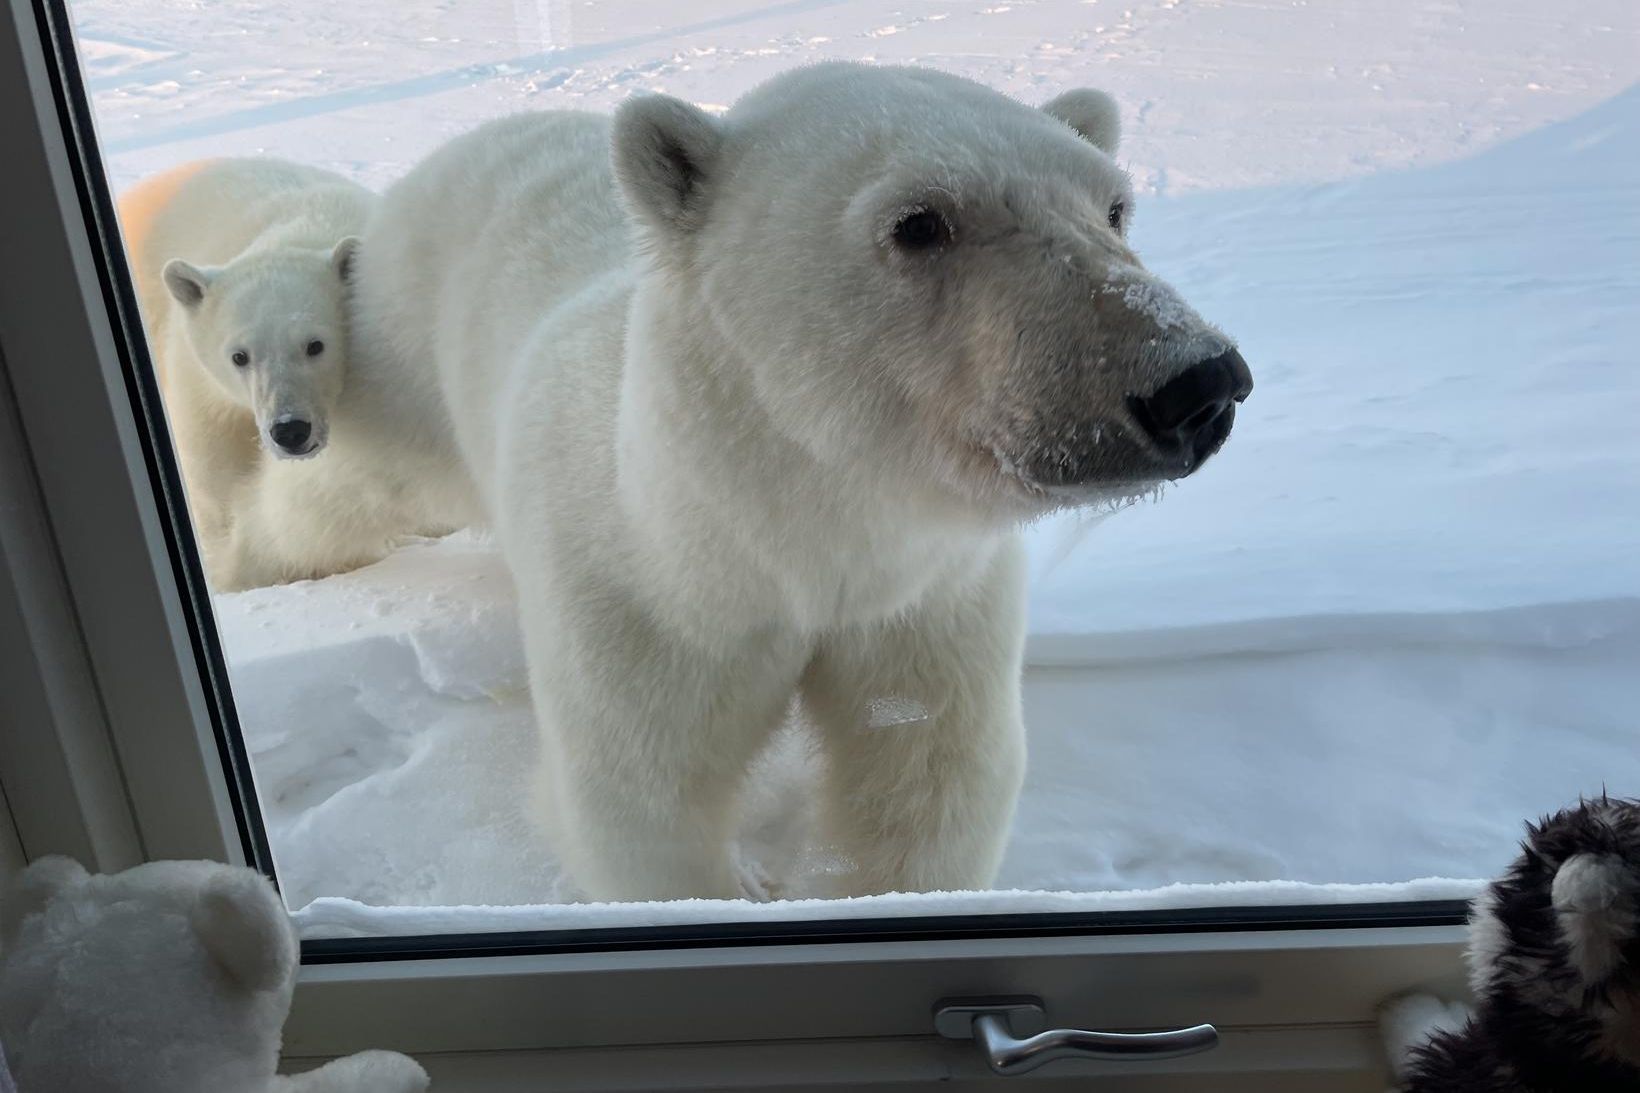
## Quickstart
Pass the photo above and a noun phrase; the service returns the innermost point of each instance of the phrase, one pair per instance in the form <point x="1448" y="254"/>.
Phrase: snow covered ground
<point x="1400" y="611"/>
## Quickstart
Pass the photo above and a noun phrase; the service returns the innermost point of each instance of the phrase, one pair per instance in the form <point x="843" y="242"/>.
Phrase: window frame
<point x="1313" y="991"/>
<point x="121" y="747"/>
<point x="136" y="636"/>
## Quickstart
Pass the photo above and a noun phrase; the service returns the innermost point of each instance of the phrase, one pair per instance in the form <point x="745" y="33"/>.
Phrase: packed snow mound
<point x="451" y="612"/>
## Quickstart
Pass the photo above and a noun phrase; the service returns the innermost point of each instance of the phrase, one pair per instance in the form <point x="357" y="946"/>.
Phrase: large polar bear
<point x="241" y="268"/>
<point x="756" y="405"/>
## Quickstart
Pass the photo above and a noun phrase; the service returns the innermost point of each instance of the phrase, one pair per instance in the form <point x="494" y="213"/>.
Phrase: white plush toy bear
<point x="172" y="977"/>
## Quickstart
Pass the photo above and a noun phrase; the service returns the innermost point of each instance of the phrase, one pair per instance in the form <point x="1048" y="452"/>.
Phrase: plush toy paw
<point x="366" y="1072"/>
<point x="1409" y="1021"/>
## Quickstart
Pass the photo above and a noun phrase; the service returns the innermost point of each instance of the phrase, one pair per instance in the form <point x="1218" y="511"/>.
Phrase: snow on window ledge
<point x="330" y="917"/>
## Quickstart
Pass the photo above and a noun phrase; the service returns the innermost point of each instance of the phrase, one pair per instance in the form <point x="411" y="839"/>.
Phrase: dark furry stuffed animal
<point x="1554" y="964"/>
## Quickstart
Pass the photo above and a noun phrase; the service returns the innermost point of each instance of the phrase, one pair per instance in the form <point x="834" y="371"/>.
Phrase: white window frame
<point x="109" y="751"/>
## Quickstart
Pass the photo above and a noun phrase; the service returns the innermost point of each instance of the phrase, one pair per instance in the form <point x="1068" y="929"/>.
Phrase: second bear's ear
<point x="187" y="282"/>
<point x="342" y="256"/>
<point x="242" y="923"/>
<point x="665" y="152"/>
<point x="1091" y="113"/>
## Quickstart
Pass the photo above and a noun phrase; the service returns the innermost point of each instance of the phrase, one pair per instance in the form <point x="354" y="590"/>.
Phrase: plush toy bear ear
<point x="1091" y="113"/>
<point x="35" y="887"/>
<point x="1597" y="907"/>
<point x="242" y="924"/>
<point x="187" y="282"/>
<point x="665" y="152"/>
<point x="342" y="255"/>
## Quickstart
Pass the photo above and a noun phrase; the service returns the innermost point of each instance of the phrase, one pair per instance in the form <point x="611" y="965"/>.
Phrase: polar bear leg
<point x="925" y="745"/>
<point x="651" y="817"/>
<point x="646" y="743"/>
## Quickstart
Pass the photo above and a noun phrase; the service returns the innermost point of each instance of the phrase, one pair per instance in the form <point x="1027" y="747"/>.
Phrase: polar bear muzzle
<point x="1075" y="444"/>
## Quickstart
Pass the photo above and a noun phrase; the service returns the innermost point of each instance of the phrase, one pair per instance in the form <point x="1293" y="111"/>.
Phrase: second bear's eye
<point x="315" y="347"/>
<point x="1118" y="210"/>
<point x="241" y="358"/>
<point x="921" y="230"/>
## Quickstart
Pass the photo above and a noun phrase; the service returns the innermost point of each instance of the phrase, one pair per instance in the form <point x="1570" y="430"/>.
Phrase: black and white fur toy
<point x="1554" y="964"/>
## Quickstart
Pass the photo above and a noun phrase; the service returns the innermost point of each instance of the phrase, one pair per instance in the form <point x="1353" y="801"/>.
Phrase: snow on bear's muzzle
<point x="1135" y="441"/>
<point x="1187" y="394"/>
<point x="1138" y="391"/>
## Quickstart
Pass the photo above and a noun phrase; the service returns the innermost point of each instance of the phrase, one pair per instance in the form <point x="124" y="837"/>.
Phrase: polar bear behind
<point x="756" y="405"/>
<point x="241" y="267"/>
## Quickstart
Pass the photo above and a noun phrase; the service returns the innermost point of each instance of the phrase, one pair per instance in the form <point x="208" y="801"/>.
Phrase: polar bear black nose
<point x="1191" y="413"/>
<point x="291" y="435"/>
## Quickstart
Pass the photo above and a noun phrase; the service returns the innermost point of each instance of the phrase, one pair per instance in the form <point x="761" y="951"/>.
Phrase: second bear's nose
<point x="1191" y="413"/>
<point x="291" y="434"/>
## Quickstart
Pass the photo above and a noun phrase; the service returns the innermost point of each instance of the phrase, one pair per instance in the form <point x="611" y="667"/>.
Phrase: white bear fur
<point x="253" y="255"/>
<point x="739" y="451"/>
<point x="172" y="977"/>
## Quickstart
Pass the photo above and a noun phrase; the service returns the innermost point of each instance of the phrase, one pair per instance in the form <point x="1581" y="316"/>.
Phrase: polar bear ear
<point x="1091" y="113"/>
<point x="187" y="282"/>
<point x="342" y="255"/>
<point x="242" y="924"/>
<point x="664" y="153"/>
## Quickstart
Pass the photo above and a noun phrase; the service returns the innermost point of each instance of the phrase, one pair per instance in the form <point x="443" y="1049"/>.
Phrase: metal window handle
<point x="999" y="1026"/>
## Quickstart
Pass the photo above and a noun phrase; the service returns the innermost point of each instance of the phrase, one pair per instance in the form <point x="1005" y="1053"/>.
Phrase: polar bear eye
<point x="240" y="358"/>
<point x="921" y="230"/>
<point x="1118" y="210"/>
<point x="315" y="347"/>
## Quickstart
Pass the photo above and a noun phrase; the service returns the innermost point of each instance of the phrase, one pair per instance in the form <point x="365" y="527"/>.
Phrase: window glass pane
<point x="880" y="323"/>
